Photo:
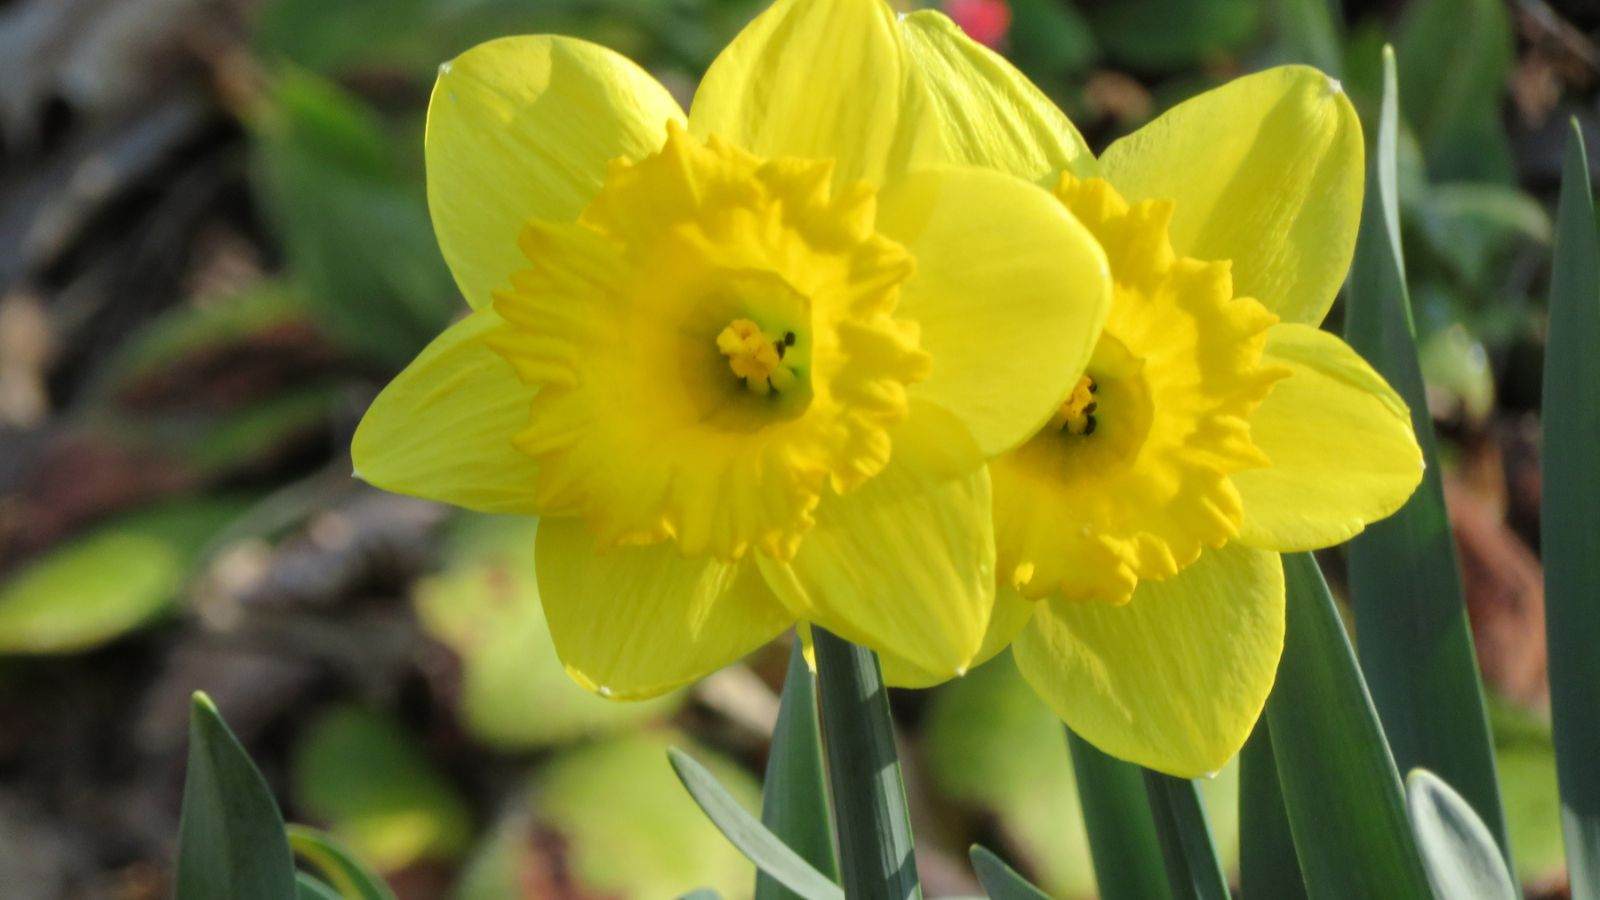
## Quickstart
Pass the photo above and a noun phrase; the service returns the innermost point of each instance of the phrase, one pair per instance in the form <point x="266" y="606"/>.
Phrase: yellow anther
<point x="756" y="357"/>
<point x="1076" y="416"/>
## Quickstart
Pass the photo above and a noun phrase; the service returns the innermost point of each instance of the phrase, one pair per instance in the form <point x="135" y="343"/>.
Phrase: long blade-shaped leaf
<point x="230" y="841"/>
<point x="1000" y="880"/>
<point x="869" y="800"/>
<point x="1191" y="861"/>
<point x="1341" y="790"/>
<point x="309" y="888"/>
<point x="1415" y="642"/>
<point x="1457" y="849"/>
<point x="1569" y="537"/>
<point x="759" y="845"/>
<point x="337" y="865"/>
<point x="794" y="800"/>
<point x="1128" y="864"/>
<point x="1268" y="867"/>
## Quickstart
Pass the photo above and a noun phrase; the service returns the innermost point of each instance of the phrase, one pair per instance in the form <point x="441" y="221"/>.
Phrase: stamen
<point x="756" y="358"/>
<point x="1076" y="416"/>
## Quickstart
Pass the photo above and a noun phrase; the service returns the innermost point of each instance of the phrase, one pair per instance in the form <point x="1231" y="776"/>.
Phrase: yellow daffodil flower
<point x="1215" y="427"/>
<point x="747" y="364"/>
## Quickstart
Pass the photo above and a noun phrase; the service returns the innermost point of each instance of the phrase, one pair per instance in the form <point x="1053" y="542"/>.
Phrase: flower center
<point x="714" y="345"/>
<point x="1130" y="479"/>
<point x="756" y="357"/>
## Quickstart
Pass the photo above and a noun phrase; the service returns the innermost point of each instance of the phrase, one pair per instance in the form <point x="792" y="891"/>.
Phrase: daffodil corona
<point x="1214" y="426"/>
<point x="748" y="364"/>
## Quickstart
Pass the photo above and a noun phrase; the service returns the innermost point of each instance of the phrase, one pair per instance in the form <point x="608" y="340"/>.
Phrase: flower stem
<point x="869" y="800"/>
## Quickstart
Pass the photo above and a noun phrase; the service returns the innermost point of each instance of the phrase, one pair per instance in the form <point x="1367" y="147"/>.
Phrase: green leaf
<point x="1268" y="868"/>
<point x="1191" y="863"/>
<point x="1526" y="760"/>
<point x="1000" y="880"/>
<point x="1457" y="849"/>
<point x="309" y="888"/>
<point x="794" y="798"/>
<point x="770" y="854"/>
<point x="1459" y="55"/>
<point x="362" y="774"/>
<point x="1128" y="863"/>
<point x="354" y="222"/>
<point x="1050" y="39"/>
<point x="1405" y="585"/>
<point x="701" y="894"/>
<point x="1341" y="791"/>
<point x="484" y="605"/>
<point x="230" y="840"/>
<point x="1307" y="32"/>
<point x="337" y="864"/>
<point x="194" y="329"/>
<point x="614" y="817"/>
<point x="875" y="850"/>
<point x="119" y="577"/>
<point x="1570" y="542"/>
<point x="1169" y="35"/>
<point x="1474" y="227"/>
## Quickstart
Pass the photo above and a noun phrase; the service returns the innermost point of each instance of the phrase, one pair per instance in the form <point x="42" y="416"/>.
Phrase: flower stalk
<point x="869" y="799"/>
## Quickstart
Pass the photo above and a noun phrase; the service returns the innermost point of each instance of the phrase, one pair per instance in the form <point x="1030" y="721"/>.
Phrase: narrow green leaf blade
<point x="1405" y="584"/>
<point x="794" y="799"/>
<point x="1268" y="867"/>
<point x="1457" y="849"/>
<point x="231" y="840"/>
<point x="309" y="888"/>
<point x="1000" y="880"/>
<point x="1191" y="861"/>
<point x="1128" y="864"/>
<point x="337" y="865"/>
<point x="1568" y="535"/>
<point x="875" y="851"/>
<point x="1341" y="790"/>
<point x="742" y="830"/>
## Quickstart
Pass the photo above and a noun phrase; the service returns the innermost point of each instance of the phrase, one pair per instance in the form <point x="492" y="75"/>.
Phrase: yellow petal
<point x="990" y="115"/>
<point x="634" y="622"/>
<point x="1175" y="678"/>
<point x="818" y="79"/>
<point x="1012" y="611"/>
<point x="1010" y="293"/>
<point x="522" y="128"/>
<point x="1340" y="440"/>
<point x="1266" y="171"/>
<point x="903" y="564"/>
<point x="443" y="428"/>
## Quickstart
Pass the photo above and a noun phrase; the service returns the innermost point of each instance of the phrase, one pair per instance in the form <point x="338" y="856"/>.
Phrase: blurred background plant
<point x="214" y="248"/>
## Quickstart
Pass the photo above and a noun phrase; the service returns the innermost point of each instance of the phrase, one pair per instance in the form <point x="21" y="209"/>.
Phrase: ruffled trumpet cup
<point x="747" y="364"/>
<point x="1215" y="426"/>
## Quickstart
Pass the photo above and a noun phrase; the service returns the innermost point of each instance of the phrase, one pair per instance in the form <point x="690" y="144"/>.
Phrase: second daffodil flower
<point x="1215" y="427"/>
<point x="748" y="363"/>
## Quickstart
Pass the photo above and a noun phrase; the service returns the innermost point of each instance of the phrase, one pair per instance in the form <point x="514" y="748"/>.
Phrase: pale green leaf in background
<point x="360" y="772"/>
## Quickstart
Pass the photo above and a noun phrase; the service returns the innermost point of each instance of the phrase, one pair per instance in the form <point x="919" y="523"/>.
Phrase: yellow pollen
<point x="1076" y="416"/>
<point x="756" y="357"/>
